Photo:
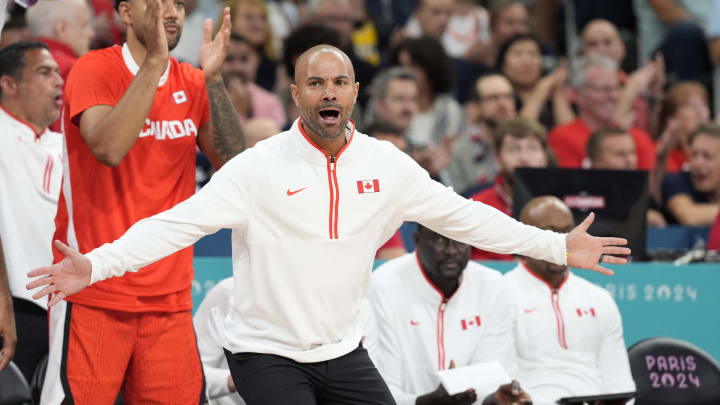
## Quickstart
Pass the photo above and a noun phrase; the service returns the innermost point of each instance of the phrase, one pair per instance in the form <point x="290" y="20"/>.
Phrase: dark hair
<point x="303" y="38"/>
<point x="593" y="145"/>
<point x="117" y="4"/>
<point x="474" y="92"/>
<point x="429" y="54"/>
<point x="505" y="47"/>
<point x="676" y="96"/>
<point x="708" y="128"/>
<point x="383" y="127"/>
<point x="520" y="127"/>
<point x="12" y="57"/>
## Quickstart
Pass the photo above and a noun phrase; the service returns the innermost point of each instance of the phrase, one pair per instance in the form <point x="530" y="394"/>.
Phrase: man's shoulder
<point x="393" y="271"/>
<point x="109" y="55"/>
<point x="187" y="71"/>
<point x="482" y="273"/>
<point x="587" y="288"/>
<point x="571" y="128"/>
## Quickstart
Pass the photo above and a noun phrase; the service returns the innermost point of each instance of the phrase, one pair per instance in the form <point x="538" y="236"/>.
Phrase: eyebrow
<point x="334" y="78"/>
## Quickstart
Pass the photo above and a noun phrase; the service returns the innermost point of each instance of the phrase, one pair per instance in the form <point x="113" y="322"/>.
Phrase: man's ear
<point x="356" y="89"/>
<point x="8" y="85"/>
<point x="124" y="12"/>
<point x="59" y="28"/>
<point x="295" y="93"/>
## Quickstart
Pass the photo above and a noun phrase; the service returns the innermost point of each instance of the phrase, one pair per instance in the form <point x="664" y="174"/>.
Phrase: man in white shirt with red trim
<point x="433" y="308"/>
<point x="568" y="331"/>
<point x="30" y="176"/>
<point x="304" y="239"/>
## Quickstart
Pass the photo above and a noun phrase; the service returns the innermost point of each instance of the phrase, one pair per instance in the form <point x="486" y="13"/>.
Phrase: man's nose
<point x="329" y="93"/>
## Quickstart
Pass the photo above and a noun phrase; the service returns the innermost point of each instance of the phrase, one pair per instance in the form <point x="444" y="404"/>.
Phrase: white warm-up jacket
<point x="306" y="227"/>
<point x="418" y="331"/>
<point x="569" y="340"/>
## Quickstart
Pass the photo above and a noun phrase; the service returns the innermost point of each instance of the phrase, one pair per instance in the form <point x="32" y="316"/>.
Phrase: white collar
<point x="134" y="68"/>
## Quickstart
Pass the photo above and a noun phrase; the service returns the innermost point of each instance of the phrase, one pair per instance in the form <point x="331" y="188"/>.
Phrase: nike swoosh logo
<point x="289" y="193"/>
<point x="527" y="311"/>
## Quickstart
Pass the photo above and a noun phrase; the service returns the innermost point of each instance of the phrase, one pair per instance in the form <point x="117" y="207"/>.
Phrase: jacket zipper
<point x="334" y="205"/>
<point x="441" y="335"/>
<point x="559" y="318"/>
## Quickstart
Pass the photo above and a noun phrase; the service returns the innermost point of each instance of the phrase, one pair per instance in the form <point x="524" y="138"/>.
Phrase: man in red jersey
<point x="133" y="117"/>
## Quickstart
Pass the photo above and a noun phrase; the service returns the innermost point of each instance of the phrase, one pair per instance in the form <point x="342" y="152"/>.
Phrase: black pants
<point x="266" y="379"/>
<point x="31" y="323"/>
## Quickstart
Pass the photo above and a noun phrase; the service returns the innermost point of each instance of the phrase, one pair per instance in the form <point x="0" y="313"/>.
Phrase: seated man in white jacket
<point x="568" y="331"/>
<point x="434" y="308"/>
<point x="208" y="321"/>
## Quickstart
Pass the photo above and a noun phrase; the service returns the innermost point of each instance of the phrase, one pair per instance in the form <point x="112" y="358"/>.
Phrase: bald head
<point x="316" y="55"/>
<point x="547" y="212"/>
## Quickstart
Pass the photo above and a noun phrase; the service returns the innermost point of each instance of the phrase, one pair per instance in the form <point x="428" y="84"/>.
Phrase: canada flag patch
<point x="368" y="186"/>
<point x="179" y="97"/>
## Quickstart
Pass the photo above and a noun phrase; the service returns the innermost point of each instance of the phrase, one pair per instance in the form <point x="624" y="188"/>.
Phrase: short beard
<point x="322" y="134"/>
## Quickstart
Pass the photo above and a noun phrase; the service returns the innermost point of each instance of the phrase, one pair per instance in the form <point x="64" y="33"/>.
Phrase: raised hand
<point x="156" y="40"/>
<point x="68" y="277"/>
<point x="587" y="252"/>
<point x="213" y="50"/>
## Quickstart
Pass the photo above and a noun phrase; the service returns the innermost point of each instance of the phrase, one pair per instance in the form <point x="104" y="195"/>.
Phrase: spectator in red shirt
<point x="597" y="86"/>
<point x="519" y="142"/>
<point x="714" y="241"/>
<point x="66" y="28"/>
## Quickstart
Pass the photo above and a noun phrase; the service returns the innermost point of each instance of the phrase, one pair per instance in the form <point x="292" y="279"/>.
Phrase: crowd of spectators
<point x="444" y="73"/>
<point x="470" y="89"/>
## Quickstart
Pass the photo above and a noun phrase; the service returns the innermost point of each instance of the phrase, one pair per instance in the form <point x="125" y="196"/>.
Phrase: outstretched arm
<point x="444" y="211"/>
<point x="7" y="318"/>
<point x="221" y="204"/>
<point x="221" y="138"/>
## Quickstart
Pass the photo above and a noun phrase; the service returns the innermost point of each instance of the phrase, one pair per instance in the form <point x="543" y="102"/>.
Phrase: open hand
<point x="214" y="50"/>
<point x="156" y="39"/>
<point x="587" y="252"/>
<point x="68" y="277"/>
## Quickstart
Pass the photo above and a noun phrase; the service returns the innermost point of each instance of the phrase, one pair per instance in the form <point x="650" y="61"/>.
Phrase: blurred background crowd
<point x="472" y="89"/>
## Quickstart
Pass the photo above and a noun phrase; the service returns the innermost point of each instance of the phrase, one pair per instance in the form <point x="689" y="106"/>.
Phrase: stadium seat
<point x="38" y="378"/>
<point x="14" y="389"/>
<point x="671" y="371"/>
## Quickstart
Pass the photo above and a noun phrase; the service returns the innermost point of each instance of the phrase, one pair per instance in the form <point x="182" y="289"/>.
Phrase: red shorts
<point x="95" y="353"/>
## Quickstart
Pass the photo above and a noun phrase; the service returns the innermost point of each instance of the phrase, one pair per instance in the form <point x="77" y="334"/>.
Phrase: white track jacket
<point x="569" y="341"/>
<point x="305" y="230"/>
<point x="419" y="332"/>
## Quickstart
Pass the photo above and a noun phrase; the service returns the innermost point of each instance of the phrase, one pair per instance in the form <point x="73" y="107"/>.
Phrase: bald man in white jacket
<point x="568" y="331"/>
